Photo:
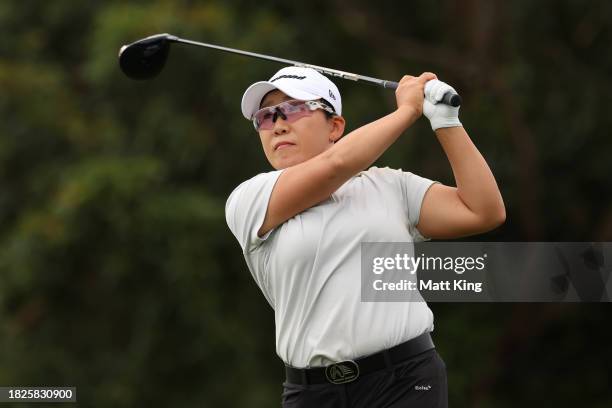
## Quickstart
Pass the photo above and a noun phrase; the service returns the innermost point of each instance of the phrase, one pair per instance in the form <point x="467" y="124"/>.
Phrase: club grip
<point x="449" y="98"/>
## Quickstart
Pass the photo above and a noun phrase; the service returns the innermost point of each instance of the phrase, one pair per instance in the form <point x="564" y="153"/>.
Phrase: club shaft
<point x="450" y="98"/>
<point x="323" y="70"/>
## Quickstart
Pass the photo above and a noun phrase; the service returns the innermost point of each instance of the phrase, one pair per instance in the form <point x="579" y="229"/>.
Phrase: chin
<point x="282" y="164"/>
<point x="285" y="162"/>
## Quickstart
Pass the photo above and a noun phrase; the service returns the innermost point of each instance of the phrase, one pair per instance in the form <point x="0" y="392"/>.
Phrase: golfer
<point x="301" y="225"/>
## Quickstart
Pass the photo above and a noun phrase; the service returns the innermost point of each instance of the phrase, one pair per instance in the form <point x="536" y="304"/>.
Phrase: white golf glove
<point x="440" y="115"/>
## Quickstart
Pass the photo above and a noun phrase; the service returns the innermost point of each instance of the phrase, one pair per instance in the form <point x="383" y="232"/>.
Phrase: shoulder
<point x="383" y="174"/>
<point x="411" y="186"/>
<point x="246" y="206"/>
<point x="254" y="184"/>
<point x="393" y="175"/>
<point x="259" y="178"/>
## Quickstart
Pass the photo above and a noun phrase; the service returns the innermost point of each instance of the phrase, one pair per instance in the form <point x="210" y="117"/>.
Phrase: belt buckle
<point x="342" y="372"/>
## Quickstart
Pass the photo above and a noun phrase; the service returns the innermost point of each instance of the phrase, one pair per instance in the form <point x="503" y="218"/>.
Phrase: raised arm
<point x="308" y="183"/>
<point x="475" y="205"/>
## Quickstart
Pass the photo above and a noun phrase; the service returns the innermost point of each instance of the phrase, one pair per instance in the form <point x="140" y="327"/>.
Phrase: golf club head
<point x="145" y="58"/>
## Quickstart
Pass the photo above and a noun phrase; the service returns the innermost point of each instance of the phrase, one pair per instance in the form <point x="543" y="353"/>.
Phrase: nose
<point x="280" y="126"/>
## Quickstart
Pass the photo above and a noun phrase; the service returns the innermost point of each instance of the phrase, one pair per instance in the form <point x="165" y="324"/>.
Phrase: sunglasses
<point x="290" y="111"/>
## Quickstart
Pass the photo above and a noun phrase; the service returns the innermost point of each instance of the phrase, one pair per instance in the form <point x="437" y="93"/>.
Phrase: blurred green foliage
<point x="117" y="272"/>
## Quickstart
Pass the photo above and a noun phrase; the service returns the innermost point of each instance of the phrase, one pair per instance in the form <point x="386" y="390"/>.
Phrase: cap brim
<point x="253" y="95"/>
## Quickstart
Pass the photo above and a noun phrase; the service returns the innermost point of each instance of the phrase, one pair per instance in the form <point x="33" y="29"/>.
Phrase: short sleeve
<point x="413" y="191"/>
<point x="246" y="208"/>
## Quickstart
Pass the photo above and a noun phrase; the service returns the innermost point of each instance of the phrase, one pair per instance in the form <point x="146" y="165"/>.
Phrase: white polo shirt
<point x="308" y="268"/>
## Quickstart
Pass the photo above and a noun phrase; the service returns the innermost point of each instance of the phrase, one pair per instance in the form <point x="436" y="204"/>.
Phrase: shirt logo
<point x="343" y="372"/>
<point x="287" y="76"/>
<point x="422" y="387"/>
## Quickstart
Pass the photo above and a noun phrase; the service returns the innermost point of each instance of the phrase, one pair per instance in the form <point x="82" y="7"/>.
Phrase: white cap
<point x="300" y="83"/>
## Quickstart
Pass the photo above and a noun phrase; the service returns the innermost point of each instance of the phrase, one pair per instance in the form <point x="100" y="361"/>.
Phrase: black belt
<point x="349" y="370"/>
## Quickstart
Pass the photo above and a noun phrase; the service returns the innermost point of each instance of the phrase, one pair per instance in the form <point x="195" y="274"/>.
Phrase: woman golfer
<point x="301" y="225"/>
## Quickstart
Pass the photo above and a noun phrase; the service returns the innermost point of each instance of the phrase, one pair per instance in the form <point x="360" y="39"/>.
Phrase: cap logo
<point x="331" y="95"/>
<point x="287" y="76"/>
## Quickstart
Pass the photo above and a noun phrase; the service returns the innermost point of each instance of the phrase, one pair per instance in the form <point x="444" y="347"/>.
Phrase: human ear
<point x="337" y="124"/>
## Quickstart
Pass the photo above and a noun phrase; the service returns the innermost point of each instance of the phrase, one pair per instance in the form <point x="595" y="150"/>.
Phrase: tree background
<point x="118" y="274"/>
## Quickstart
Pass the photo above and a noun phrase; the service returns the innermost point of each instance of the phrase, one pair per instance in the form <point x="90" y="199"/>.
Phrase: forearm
<point x="360" y="148"/>
<point x="476" y="185"/>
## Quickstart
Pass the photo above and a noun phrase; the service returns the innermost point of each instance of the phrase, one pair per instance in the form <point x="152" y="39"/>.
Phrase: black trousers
<point x="417" y="382"/>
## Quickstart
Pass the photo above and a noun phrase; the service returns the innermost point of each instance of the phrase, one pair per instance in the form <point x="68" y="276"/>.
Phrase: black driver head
<point x="145" y="58"/>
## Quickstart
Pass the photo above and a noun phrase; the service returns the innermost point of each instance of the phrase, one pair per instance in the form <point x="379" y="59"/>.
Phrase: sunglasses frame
<point x="275" y="110"/>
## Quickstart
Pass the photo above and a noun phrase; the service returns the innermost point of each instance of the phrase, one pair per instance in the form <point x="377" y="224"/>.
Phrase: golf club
<point x="144" y="59"/>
